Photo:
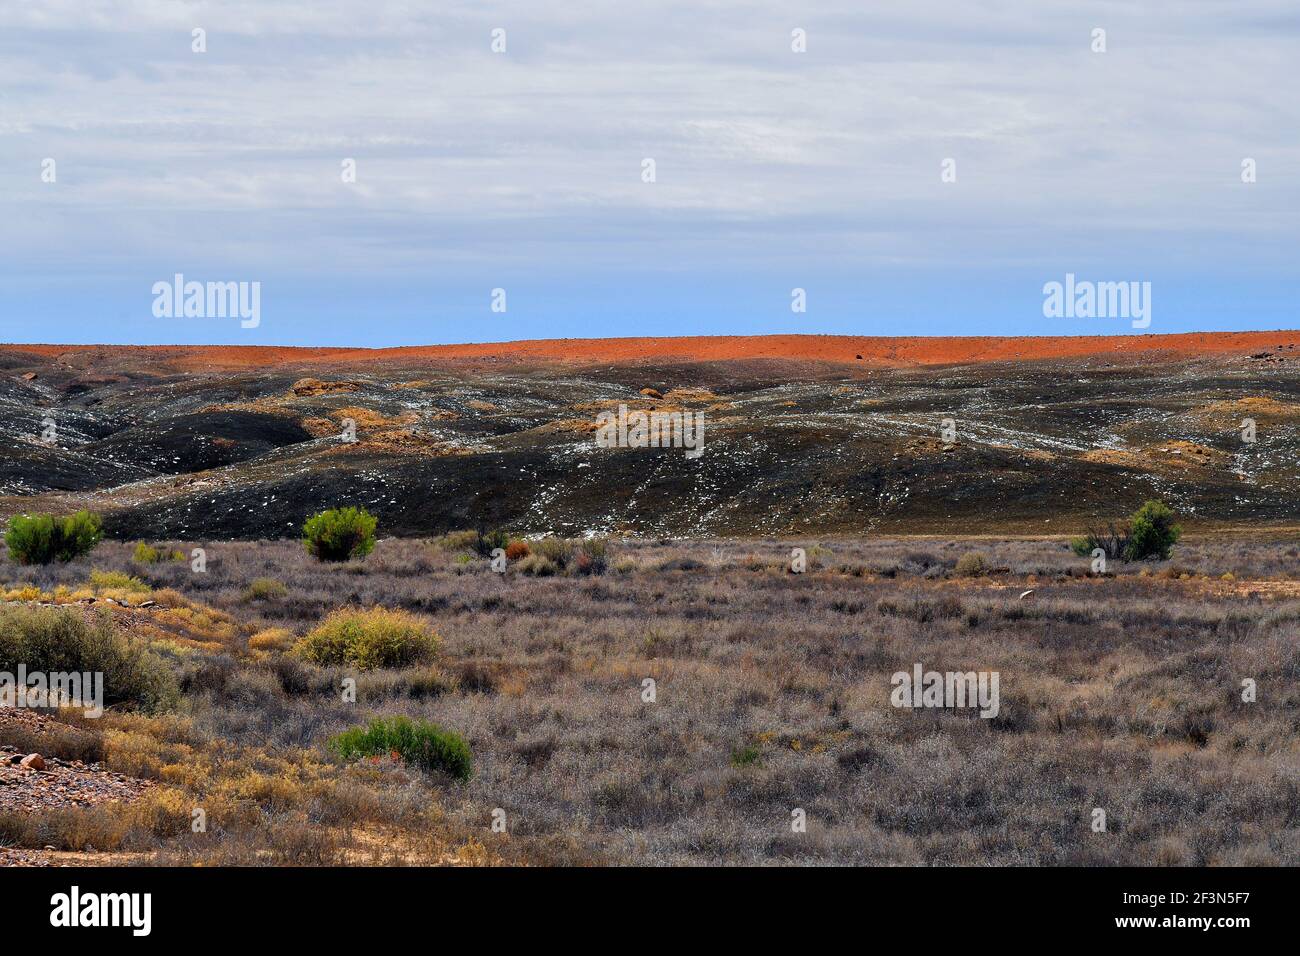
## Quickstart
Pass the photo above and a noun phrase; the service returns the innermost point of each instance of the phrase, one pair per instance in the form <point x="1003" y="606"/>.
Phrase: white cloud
<point x="763" y="155"/>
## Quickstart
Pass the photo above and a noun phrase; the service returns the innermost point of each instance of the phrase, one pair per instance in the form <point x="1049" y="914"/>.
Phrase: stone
<point x="33" y="762"/>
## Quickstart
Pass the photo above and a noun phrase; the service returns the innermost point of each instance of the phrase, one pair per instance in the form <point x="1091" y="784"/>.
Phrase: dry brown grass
<point x="772" y="693"/>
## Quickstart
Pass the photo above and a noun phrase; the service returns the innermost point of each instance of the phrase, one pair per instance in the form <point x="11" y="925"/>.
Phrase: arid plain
<point x="932" y="488"/>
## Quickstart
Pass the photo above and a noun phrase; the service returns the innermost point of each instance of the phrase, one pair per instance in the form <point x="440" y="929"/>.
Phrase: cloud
<point x="532" y="159"/>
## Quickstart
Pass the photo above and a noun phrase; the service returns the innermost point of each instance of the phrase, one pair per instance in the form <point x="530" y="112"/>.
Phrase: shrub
<point x="146" y="553"/>
<point x="366" y="639"/>
<point x="538" y="565"/>
<point x="485" y="543"/>
<point x="592" y="556"/>
<point x="63" y="640"/>
<point x="339" y="534"/>
<point x="42" y="538"/>
<point x="117" y="581"/>
<point x="516" y="550"/>
<point x="25" y="592"/>
<point x="1112" y="540"/>
<point x="417" y="742"/>
<point x="458" y="540"/>
<point x="557" y="550"/>
<point x="972" y="564"/>
<point x="1149" y="533"/>
<point x="264" y="589"/>
<point x="274" y="639"/>
<point x="1153" y="532"/>
<point x="574" y="557"/>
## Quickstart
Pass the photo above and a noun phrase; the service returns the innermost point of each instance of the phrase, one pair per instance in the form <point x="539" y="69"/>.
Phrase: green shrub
<point x="340" y="533"/>
<point x="117" y="581"/>
<point x="56" y="640"/>
<point x="42" y="538"/>
<point x="367" y="639"/>
<point x="972" y="564"/>
<point x="146" y="553"/>
<point x="417" y="742"/>
<point x="264" y="589"/>
<point x="1150" y="533"/>
<point x="1153" y="532"/>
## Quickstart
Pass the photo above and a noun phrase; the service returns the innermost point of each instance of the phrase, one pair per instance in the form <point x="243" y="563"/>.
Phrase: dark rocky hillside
<point x="791" y="447"/>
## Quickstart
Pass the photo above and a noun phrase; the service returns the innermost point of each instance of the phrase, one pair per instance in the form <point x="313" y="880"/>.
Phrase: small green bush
<point x="42" y="538"/>
<point x="1153" y="533"/>
<point x="117" y="581"/>
<point x="340" y="534"/>
<point x="55" y="640"/>
<point x="146" y="553"/>
<point x="417" y="742"/>
<point x="368" y="639"/>
<point x="972" y="564"/>
<point x="1150" y="533"/>
<point x="264" y="589"/>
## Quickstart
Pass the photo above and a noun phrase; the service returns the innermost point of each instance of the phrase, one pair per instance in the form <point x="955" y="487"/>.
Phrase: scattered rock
<point x="652" y="393"/>
<point x="34" y="784"/>
<point x="1026" y="594"/>
<point x="33" y="762"/>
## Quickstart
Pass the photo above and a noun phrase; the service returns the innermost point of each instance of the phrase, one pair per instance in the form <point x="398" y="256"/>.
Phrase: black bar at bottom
<point x="339" y="905"/>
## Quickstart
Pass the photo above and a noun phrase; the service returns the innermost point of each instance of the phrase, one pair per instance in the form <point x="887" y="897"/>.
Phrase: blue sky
<point x="522" y="170"/>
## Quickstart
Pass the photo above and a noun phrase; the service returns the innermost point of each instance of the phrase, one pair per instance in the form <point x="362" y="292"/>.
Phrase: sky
<point x="825" y="169"/>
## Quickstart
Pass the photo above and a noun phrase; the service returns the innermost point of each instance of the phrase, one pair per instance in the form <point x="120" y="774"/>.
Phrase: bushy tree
<point x="42" y="538"/>
<point x="340" y="533"/>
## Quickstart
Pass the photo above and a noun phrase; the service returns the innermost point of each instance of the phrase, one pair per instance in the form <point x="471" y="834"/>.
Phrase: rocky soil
<point x="32" y="783"/>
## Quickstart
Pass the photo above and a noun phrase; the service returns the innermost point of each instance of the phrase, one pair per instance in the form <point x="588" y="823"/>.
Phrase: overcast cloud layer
<point x="522" y="170"/>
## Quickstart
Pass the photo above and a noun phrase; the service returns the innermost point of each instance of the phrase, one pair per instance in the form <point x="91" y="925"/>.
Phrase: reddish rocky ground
<point x="870" y="350"/>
